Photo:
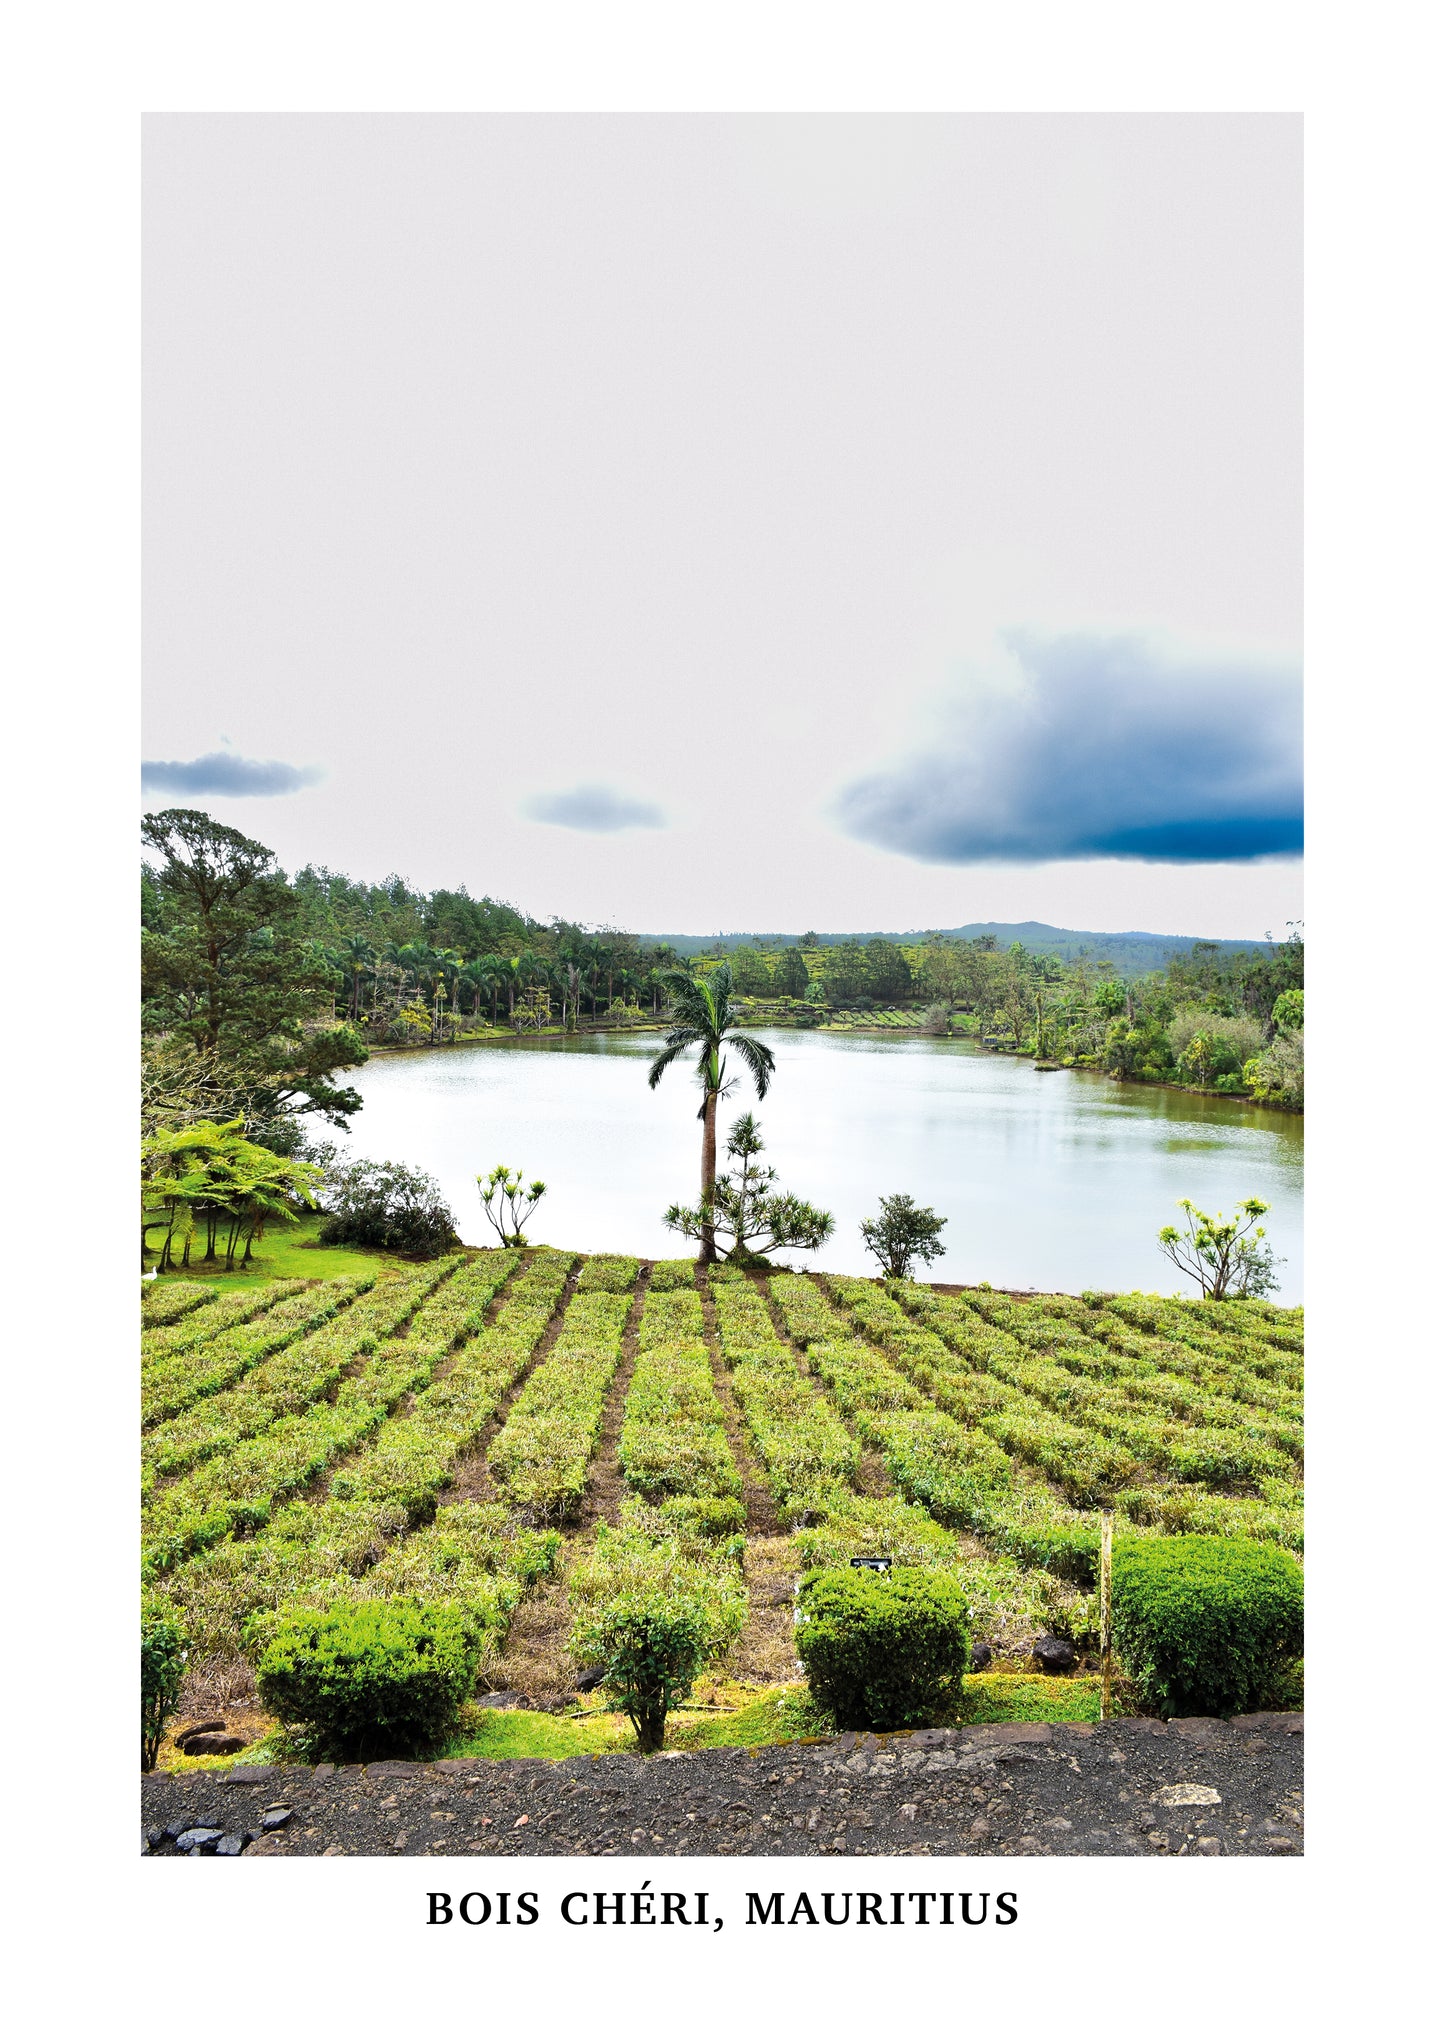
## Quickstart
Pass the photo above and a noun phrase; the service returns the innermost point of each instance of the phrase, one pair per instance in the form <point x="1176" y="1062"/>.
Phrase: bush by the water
<point x="387" y="1206"/>
<point x="883" y="1652"/>
<point x="162" y="1668"/>
<point x="380" y="1679"/>
<point x="651" y="1645"/>
<point x="1207" y="1627"/>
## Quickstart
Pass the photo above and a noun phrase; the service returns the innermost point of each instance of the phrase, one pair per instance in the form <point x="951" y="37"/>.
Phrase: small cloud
<point x="1099" y="748"/>
<point x="594" y="808"/>
<point x="226" y="773"/>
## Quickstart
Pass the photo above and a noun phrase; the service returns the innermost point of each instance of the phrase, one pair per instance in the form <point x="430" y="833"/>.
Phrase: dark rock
<point x="212" y="1743"/>
<point x="210" y="1820"/>
<point x="155" y="1836"/>
<point x="230" y="1846"/>
<point x="1055" y="1656"/>
<point x="179" y="1824"/>
<point x="500" y="1699"/>
<point x="980" y="1656"/>
<point x="190" y="1732"/>
<point x="198" y="1838"/>
<point x="272" y="1820"/>
<point x="589" y="1680"/>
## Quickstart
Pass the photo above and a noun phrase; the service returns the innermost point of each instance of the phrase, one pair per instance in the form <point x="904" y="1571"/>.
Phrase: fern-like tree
<point x="703" y="1015"/>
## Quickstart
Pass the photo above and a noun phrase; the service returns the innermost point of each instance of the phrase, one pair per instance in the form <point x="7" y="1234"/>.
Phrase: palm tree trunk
<point x="709" y="1174"/>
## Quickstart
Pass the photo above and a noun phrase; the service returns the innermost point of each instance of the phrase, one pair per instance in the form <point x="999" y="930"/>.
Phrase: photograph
<point x="722" y="999"/>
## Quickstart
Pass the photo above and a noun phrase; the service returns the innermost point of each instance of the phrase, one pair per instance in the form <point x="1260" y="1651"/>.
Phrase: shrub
<point x="388" y="1206"/>
<point x="368" y="1681"/>
<point x="903" y="1232"/>
<point x="1207" y="1626"/>
<point x="652" y="1645"/>
<point x="883" y="1652"/>
<point x="163" y="1648"/>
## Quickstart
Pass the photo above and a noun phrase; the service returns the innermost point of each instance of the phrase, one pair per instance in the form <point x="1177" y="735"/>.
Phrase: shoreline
<point x="505" y="1038"/>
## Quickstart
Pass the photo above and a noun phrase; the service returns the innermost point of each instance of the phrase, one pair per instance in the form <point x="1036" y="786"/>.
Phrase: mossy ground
<point x="741" y="1715"/>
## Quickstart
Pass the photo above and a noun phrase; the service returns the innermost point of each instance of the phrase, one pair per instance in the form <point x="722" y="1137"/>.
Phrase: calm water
<point x="1059" y="1180"/>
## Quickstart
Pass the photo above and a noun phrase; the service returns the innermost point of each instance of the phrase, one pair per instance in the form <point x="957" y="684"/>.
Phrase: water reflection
<point x="1049" y="1179"/>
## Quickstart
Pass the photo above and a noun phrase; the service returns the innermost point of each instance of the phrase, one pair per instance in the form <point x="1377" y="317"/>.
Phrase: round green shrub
<point x="380" y="1679"/>
<point x="1207" y="1626"/>
<point x="883" y="1652"/>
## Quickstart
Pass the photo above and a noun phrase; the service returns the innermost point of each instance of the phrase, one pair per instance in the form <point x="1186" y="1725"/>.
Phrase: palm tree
<point x="703" y="1015"/>
<point x="358" y="954"/>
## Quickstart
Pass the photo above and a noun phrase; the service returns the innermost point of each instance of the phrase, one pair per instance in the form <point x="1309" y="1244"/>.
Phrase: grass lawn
<point x="282" y="1253"/>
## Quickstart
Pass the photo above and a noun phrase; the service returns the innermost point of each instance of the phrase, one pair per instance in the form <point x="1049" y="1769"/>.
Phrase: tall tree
<point x="225" y="967"/>
<point x="703" y="1018"/>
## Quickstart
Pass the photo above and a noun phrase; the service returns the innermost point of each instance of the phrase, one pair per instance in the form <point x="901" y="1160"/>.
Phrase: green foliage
<point x="163" y="1304"/>
<point x="650" y="1554"/>
<point x="295" y="1375"/>
<point x="540" y="1457"/>
<point x="1276" y="1077"/>
<point x="652" y="1648"/>
<point x="673" y="1274"/>
<point x="514" y="1202"/>
<point x="376" y="1680"/>
<point x="388" y="1206"/>
<point x="673" y="1441"/>
<point x="792" y="978"/>
<point x="1222" y="1253"/>
<point x="207" y="1177"/>
<point x="802" y="1445"/>
<point x="163" y="1650"/>
<point x="1207" y="1626"/>
<point x="703" y="1018"/>
<point x="195" y="1329"/>
<point x="609" y="1274"/>
<point x="902" y="1233"/>
<point x="1137" y="1050"/>
<point x="402" y="1466"/>
<point x="1288" y="1012"/>
<point x="748" y="1210"/>
<point x="177" y="1380"/>
<point x="227" y="970"/>
<point x="995" y="1699"/>
<point x="883" y="1652"/>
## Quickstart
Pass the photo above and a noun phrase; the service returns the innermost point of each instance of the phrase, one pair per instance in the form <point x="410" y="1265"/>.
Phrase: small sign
<point x="879" y="1563"/>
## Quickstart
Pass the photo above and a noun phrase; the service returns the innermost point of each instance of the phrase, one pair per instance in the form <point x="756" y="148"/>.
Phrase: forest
<point x="259" y="989"/>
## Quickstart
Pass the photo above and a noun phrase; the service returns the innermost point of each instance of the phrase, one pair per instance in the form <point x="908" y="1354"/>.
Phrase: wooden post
<point x="1106" y="1578"/>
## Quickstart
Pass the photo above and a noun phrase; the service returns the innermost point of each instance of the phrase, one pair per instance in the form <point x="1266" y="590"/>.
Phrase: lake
<point x="1058" y="1181"/>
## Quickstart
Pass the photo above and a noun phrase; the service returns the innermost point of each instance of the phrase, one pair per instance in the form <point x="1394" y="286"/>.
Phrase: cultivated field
<point x="516" y="1429"/>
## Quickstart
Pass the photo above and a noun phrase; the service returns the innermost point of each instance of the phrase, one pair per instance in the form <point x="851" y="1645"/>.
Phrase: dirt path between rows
<point x="1131" y="1787"/>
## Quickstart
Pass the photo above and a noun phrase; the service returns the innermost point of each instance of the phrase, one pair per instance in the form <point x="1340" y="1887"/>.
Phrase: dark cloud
<point x="594" y="808"/>
<point x="1100" y="748"/>
<point x="226" y="773"/>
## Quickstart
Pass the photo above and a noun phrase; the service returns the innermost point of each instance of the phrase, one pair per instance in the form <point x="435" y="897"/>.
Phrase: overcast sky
<point x="744" y="522"/>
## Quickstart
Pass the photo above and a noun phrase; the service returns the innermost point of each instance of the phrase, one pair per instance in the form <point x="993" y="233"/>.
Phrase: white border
<point x="1223" y="1947"/>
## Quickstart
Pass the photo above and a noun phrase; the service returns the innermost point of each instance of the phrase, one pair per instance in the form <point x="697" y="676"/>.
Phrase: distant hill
<point x="1131" y="951"/>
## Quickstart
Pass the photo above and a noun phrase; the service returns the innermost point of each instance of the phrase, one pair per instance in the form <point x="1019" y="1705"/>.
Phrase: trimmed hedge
<point x="1207" y="1626"/>
<point x="369" y="1680"/>
<point x="883" y="1653"/>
